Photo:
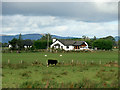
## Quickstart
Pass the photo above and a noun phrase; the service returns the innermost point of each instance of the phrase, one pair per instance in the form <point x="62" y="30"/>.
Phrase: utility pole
<point x="48" y="42"/>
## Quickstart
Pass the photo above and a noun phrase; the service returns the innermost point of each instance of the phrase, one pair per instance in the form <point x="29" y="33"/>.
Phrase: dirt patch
<point x="111" y="64"/>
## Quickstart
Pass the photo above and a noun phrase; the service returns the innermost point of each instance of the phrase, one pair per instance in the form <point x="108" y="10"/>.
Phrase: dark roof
<point x="27" y="42"/>
<point x="78" y="43"/>
<point x="71" y="42"/>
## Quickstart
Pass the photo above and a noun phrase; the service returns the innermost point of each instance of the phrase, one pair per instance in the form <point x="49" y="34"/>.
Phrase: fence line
<point x="85" y="62"/>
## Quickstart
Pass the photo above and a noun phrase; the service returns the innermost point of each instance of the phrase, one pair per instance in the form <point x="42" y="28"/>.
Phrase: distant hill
<point x="60" y="37"/>
<point x="7" y="38"/>
<point x="117" y="38"/>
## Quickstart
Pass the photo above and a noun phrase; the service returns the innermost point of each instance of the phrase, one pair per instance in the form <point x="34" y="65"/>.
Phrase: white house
<point x="69" y="45"/>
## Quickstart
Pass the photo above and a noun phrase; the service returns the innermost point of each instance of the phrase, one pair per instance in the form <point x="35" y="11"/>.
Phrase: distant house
<point x="69" y="45"/>
<point x="26" y="44"/>
<point x="10" y="46"/>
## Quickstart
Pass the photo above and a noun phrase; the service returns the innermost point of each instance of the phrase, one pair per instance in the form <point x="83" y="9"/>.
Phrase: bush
<point x="103" y="44"/>
<point x="41" y="44"/>
<point x="30" y="84"/>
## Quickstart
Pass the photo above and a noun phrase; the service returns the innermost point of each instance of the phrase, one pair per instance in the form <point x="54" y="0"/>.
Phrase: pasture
<point x="88" y="70"/>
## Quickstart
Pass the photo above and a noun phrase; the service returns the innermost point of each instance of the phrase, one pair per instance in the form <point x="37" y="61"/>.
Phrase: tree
<point x="84" y="37"/>
<point x="0" y="44"/>
<point x="4" y="44"/>
<point x="20" y="37"/>
<point x="89" y="42"/>
<point x="20" y="44"/>
<point x="13" y="42"/>
<point x="41" y="44"/>
<point x="119" y="44"/>
<point x="111" y="38"/>
<point x="17" y="43"/>
<point x="103" y="44"/>
<point x="94" y="38"/>
<point x="46" y="37"/>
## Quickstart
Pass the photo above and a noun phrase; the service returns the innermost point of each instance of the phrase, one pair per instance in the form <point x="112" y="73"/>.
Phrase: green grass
<point x="104" y="56"/>
<point x="26" y="75"/>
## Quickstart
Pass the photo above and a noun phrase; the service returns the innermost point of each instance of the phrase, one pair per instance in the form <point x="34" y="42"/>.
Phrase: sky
<point x="76" y="19"/>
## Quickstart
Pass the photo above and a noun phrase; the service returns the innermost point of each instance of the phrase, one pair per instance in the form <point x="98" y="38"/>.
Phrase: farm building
<point x="69" y="45"/>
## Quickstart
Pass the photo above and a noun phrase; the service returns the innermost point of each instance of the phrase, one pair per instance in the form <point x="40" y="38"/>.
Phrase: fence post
<point x="72" y="60"/>
<point x="92" y="62"/>
<point x="63" y="62"/>
<point x="100" y="62"/>
<point x="115" y="61"/>
<point x="21" y="62"/>
<point x="36" y="62"/>
<point x="77" y="61"/>
<point x="8" y="61"/>
<point x="85" y="62"/>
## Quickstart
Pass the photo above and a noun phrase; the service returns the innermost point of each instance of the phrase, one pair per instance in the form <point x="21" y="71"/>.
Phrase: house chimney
<point x="54" y="39"/>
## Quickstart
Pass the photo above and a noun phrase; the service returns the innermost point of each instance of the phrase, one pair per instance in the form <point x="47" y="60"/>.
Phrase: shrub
<point x="25" y="74"/>
<point x="103" y="44"/>
<point x="30" y="84"/>
<point x="45" y="78"/>
<point x="64" y="73"/>
<point x="114" y="83"/>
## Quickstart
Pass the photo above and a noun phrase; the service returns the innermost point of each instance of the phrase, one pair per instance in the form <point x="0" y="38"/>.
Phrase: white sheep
<point x="60" y="55"/>
<point x="45" y="55"/>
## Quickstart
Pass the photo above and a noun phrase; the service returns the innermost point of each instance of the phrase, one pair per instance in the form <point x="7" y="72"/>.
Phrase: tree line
<point x="106" y="43"/>
<point x="19" y="44"/>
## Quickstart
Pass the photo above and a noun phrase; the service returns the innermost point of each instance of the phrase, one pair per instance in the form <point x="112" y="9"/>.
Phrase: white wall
<point x="53" y="40"/>
<point x="87" y="45"/>
<point x="61" y="45"/>
<point x="70" y="48"/>
<point x="10" y="46"/>
<point x="57" y="42"/>
<point x="27" y="46"/>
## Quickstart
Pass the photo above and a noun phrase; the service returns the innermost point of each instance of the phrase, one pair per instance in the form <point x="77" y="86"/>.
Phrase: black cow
<point x="50" y="61"/>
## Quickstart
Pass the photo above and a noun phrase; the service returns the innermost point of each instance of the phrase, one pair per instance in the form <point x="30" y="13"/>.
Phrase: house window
<point x="67" y="47"/>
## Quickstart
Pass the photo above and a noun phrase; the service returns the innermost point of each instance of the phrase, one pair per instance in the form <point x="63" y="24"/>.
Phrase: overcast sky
<point x="60" y="18"/>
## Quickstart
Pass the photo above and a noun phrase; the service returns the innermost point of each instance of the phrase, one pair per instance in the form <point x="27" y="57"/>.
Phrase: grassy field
<point x="85" y="71"/>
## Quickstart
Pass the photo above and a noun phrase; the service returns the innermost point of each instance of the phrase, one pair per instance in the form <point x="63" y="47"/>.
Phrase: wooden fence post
<point x="77" y="62"/>
<point x="72" y="60"/>
<point x="92" y="62"/>
<point x="85" y="62"/>
<point x="8" y="61"/>
<point x="100" y="62"/>
<point x="115" y="61"/>
<point x="21" y="61"/>
<point x="63" y="62"/>
<point x="36" y="62"/>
